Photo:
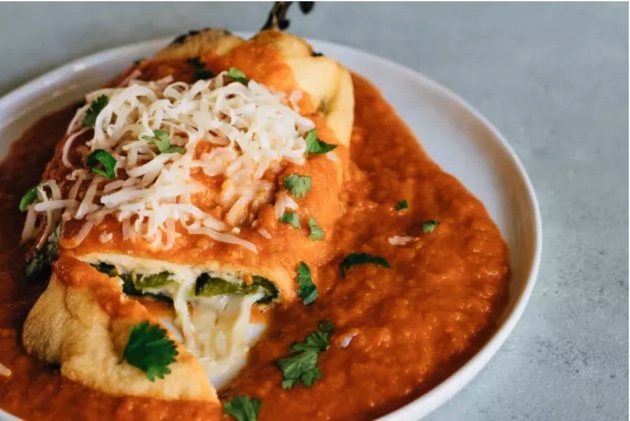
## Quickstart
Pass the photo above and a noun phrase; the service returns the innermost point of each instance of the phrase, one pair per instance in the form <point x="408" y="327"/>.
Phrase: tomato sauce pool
<point x="399" y="331"/>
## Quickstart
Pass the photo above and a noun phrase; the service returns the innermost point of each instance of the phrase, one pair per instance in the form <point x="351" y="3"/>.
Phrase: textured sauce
<point x="411" y="325"/>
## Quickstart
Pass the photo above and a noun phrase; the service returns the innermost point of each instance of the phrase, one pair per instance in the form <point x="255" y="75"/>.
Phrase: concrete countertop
<point x="552" y="77"/>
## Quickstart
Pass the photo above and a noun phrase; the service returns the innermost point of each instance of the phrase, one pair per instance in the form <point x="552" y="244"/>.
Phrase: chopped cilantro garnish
<point x="38" y="267"/>
<point x="299" y="185"/>
<point x="429" y="226"/>
<point x="317" y="233"/>
<point x="28" y="198"/>
<point x="403" y="204"/>
<point x="150" y="350"/>
<point x="307" y="289"/>
<point x="359" y="259"/>
<point x="302" y="366"/>
<point x="237" y="75"/>
<point x="106" y="160"/>
<point x="292" y="218"/>
<point x="163" y="142"/>
<point x="95" y="108"/>
<point x="200" y="68"/>
<point x="316" y="146"/>
<point x="243" y="408"/>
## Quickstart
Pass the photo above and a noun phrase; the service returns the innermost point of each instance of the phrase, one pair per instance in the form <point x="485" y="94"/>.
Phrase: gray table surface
<point x="552" y="77"/>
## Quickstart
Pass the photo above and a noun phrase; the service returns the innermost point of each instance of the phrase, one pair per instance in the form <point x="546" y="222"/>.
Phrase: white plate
<point x="460" y="139"/>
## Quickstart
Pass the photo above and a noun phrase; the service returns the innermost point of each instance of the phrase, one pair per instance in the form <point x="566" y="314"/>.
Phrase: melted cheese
<point x="216" y="329"/>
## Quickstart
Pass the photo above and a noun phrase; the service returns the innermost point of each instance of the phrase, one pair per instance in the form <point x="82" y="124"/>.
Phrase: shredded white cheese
<point x="345" y="341"/>
<point x="264" y="233"/>
<point x="228" y="129"/>
<point x="400" y="241"/>
<point x="4" y="370"/>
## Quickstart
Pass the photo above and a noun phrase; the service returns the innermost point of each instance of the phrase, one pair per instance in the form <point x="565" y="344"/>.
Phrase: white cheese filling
<point x="217" y="329"/>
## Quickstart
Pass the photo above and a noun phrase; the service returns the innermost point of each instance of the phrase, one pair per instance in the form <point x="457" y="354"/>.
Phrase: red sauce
<point x="414" y="324"/>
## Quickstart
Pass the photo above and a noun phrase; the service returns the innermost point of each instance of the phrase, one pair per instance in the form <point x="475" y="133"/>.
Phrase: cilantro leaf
<point x="150" y="350"/>
<point x="237" y="75"/>
<point x="308" y="290"/>
<point x="243" y="408"/>
<point x="163" y="142"/>
<point x="317" y="233"/>
<point x="302" y="366"/>
<point x="354" y="259"/>
<point x="39" y="265"/>
<point x="429" y="226"/>
<point x="28" y="198"/>
<point x="403" y="204"/>
<point x="316" y="341"/>
<point x="95" y="108"/>
<point x="108" y="162"/>
<point x="200" y="68"/>
<point x="292" y="218"/>
<point x="314" y="146"/>
<point x="298" y="185"/>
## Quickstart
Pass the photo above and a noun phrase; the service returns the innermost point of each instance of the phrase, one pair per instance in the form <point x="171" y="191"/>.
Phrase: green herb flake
<point x="163" y="142"/>
<point x="39" y="265"/>
<point x="292" y="218"/>
<point x="108" y="162"/>
<point x="243" y="408"/>
<point x="314" y="146"/>
<point x="95" y="108"/>
<point x="237" y="75"/>
<point x="28" y="198"/>
<point x="200" y="68"/>
<point x="297" y="184"/>
<point x="302" y="365"/>
<point x="354" y="259"/>
<point x="429" y="226"/>
<point x="307" y="289"/>
<point x="150" y="350"/>
<point x="317" y="233"/>
<point x="403" y="204"/>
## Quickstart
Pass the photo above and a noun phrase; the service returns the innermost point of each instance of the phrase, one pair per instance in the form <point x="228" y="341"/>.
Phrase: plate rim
<point x="447" y="388"/>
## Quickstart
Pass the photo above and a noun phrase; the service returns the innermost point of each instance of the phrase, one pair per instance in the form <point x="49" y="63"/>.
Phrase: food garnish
<point x="106" y="160"/>
<point x="317" y="233"/>
<point x="315" y="146"/>
<point x="200" y="68"/>
<point x="297" y="184"/>
<point x="163" y="142"/>
<point x="28" y="198"/>
<point x="243" y="408"/>
<point x="150" y="350"/>
<point x="307" y="289"/>
<point x="403" y="204"/>
<point x="237" y="75"/>
<point x="38" y="267"/>
<point x="96" y="107"/>
<point x="354" y="259"/>
<point x="429" y="226"/>
<point x="302" y="366"/>
<point x="292" y="218"/>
